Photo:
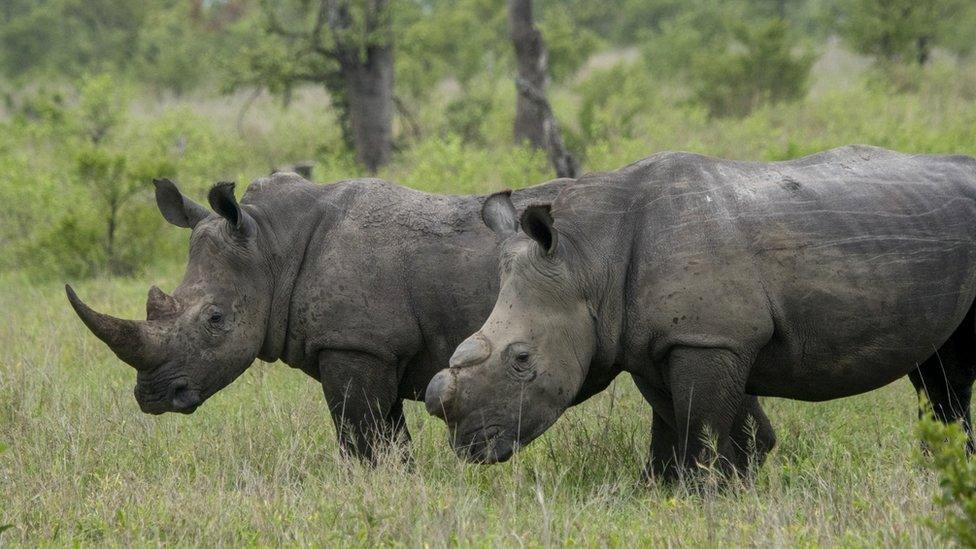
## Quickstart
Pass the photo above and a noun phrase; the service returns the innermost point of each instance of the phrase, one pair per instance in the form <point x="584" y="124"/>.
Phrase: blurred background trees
<point x="99" y="96"/>
<point x="905" y="30"/>
<point x="347" y="47"/>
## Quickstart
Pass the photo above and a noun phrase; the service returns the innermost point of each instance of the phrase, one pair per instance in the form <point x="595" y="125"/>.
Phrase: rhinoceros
<point x="712" y="282"/>
<point x="365" y="286"/>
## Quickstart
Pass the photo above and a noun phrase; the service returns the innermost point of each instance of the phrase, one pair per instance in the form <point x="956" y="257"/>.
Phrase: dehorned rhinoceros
<point x="710" y="281"/>
<point x="365" y="286"/>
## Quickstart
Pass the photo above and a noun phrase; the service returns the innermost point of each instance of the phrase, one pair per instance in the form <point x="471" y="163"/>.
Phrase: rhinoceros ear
<point x="537" y="223"/>
<point x="499" y="214"/>
<point x="176" y="208"/>
<point x="223" y="201"/>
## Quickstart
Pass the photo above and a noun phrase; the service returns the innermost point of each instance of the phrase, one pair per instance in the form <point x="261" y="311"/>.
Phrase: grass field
<point x="258" y="463"/>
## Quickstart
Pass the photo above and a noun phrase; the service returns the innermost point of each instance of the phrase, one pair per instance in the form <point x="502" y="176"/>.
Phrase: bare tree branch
<point x="244" y="108"/>
<point x="408" y="116"/>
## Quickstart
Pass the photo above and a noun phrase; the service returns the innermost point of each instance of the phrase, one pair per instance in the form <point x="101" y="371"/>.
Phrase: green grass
<point x="258" y="463"/>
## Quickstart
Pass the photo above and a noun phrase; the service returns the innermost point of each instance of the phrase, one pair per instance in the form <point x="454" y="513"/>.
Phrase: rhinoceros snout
<point x="439" y="394"/>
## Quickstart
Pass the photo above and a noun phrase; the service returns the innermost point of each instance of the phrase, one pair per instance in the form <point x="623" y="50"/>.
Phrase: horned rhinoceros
<point x="365" y="286"/>
<point x="710" y="281"/>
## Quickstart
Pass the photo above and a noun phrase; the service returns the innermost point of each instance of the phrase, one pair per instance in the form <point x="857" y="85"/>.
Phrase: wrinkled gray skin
<point x="365" y="286"/>
<point x="712" y="281"/>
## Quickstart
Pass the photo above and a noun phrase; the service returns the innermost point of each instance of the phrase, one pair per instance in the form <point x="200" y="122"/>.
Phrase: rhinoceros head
<point x="208" y="332"/>
<point x="514" y="377"/>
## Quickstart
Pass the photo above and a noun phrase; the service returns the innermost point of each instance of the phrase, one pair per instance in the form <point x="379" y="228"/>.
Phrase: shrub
<point x="614" y="110"/>
<point x="956" y="472"/>
<point x="466" y="114"/>
<point x="758" y="68"/>
<point x="902" y="30"/>
<point x="449" y="166"/>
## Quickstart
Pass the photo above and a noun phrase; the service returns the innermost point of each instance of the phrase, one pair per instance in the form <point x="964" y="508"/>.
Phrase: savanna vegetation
<point x="99" y="97"/>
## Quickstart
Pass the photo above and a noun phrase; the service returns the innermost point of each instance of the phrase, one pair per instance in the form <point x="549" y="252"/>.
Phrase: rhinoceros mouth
<point x="161" y="406"/>
<point x="485" y="445"/>
<point x="168" y="395"/>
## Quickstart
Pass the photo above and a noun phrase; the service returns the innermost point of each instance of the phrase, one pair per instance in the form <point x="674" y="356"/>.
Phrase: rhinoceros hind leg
<point x="946" y="378"/>
<point x="752" y="435"/>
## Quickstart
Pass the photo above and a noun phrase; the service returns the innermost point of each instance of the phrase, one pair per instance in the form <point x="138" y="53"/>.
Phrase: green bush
<point x="614" y="101"/>
<point x="759" y="68"/>
<point x="700" y="26"/>
<point x="448" y="165"/>
<point x="905" y="31"/>
<point x="956" y="472"/>
<point x="732" y="55"/>
<point x="465" y="116"/>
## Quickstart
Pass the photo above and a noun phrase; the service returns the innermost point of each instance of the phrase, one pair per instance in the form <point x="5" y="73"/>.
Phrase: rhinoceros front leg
<point x="361" y="391"/>
<point x="751" y="433"/>
<point x="661" y="463"/>
<point x="707" y="388"/>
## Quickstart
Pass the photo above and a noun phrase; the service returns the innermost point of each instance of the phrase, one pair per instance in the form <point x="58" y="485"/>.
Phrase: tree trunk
<point x="366" y="72"/>
<point x="532" y="59"/>
<point x="369" y="99"/>
<point x="534" y="119"/>
<point x="922" y="50"/>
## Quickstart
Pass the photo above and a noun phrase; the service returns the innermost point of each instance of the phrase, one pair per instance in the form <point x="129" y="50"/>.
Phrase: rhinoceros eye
<point x="216" y="317"/>
<point x="520" y="357"/>
<point x="522" y="366"/>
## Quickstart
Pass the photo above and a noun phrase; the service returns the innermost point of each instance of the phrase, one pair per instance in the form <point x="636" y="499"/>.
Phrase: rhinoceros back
<point x="863" y="260"/>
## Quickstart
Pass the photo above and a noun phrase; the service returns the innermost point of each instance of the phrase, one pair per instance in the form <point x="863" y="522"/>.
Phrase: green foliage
<point x="172" y="55"/>
<point x="293" y="42"/>
<point x="100" y="107"/>
<point x="569" y="45"/>
<point x="763" y="69"/>
<point x="956" y="472"/>
<point x="170" y="44"/>
<point x="468" y="40"/>
<point x="450" y="166"/>
<point x="702" y="27"/>
<point x="622" y="22"/>
<point x="465" y="115"/>
<point x="612" y="102"/>
<point x="69" y="36"/>
<point x="734" y="55"/>
<point x="905" y="30"/>
<point x="77" y="217"/>
<point x="29" y="35"/>
<point x="458" y="39"/>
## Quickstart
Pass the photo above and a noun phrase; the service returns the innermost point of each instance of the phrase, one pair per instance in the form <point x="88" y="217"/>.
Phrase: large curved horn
<point x="136" y="343"/>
